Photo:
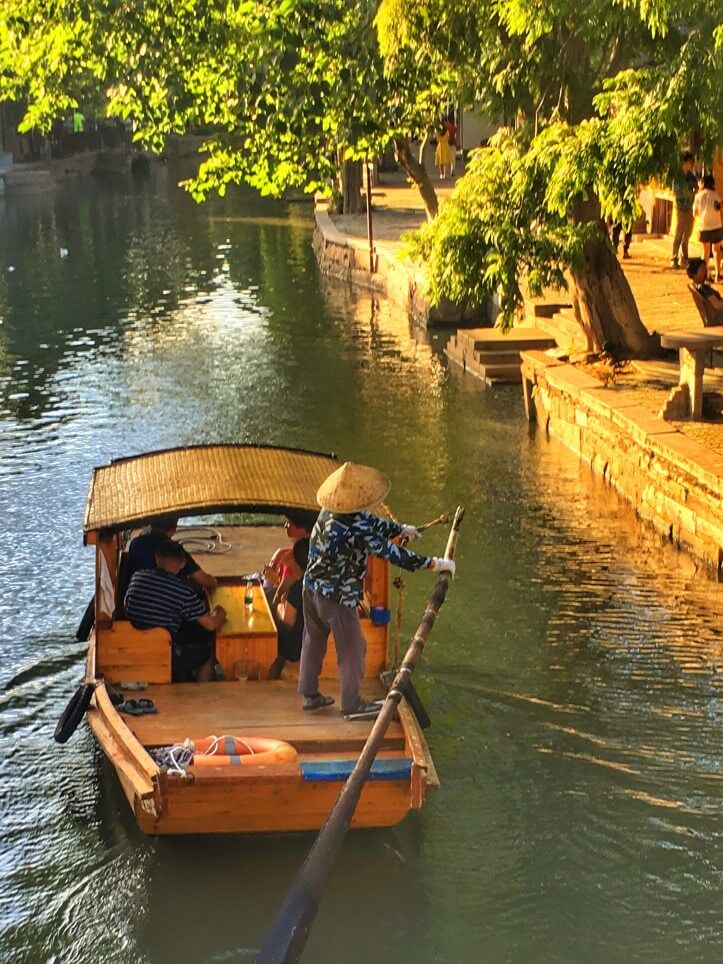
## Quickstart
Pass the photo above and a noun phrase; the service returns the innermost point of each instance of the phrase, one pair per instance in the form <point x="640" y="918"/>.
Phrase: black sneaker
<point x="317" y="702"/>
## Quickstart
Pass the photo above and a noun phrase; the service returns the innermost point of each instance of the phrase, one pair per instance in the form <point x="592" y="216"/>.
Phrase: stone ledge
<point x="674" y="482"/>
<point x="691" y="457"/>
<point x="641" y="424"/>
<point x="537" y="357"/>
<point x="571" y="380"/>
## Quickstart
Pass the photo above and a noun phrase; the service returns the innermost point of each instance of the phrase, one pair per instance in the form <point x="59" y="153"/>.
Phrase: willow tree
<point x="599" y="97"/>
<point x="287" y="91"/>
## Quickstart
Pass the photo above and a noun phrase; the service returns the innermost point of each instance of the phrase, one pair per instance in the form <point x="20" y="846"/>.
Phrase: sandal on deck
<point x="317" y="702"/>
<point x="131" y="708"/>
<point x="137" y="707"/>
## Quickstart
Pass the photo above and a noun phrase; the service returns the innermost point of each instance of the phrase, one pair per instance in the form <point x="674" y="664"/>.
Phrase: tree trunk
<point x="605" y="307"/>
<point x="422" y="144"/>
<point x="350" y="187"/>
<point x="418" y="175"/>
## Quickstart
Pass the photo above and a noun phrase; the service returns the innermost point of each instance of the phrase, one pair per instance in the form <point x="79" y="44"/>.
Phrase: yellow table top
<point x="240" y="622"/>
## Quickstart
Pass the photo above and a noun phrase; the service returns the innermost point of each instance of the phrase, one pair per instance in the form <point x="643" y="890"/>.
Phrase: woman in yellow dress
<point x="443" y="154"/>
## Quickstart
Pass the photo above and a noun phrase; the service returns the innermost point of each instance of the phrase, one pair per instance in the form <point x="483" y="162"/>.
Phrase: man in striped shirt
<point x="158" y="597"/>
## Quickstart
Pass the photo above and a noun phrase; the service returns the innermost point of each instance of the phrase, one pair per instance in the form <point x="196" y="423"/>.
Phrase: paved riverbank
<point x="676" y="486"/>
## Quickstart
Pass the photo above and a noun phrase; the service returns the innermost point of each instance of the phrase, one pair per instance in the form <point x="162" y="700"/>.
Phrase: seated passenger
<point x="158" y="597"/>
<point x="289" y="611"/>
<point x="142" y="555"/>
<point x="698" y="274"/>
<point x="279" y="572"/>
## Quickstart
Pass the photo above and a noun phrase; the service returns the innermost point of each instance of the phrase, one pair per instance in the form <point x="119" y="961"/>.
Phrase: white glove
<point x="410" y="533"/>
<point x="444" y="565"/>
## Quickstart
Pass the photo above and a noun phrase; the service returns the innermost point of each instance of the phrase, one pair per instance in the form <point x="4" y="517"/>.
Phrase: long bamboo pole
<point x="287" y="936"/>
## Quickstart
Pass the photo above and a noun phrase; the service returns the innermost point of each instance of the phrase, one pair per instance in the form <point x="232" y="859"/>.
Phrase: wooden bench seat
<point x="125" y="653"/>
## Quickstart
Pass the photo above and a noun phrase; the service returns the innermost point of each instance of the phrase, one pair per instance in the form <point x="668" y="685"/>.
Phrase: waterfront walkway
<point x="678" y="488"/>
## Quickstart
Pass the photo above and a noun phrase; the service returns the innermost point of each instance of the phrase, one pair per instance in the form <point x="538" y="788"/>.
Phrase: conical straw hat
<point x="353" y="488"/>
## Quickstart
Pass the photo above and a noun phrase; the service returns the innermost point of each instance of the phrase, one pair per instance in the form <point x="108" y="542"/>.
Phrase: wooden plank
<point x="123" y="652"/>
<point x="265" y="774"/>
<point x="263" y="808"/>
<point x="417" y="746"/>
<point x="269" y="708"/>
<point x="413" y="733"/>
<point x="140" y="784"/>
<point x="377" y="580"/>
<point x="122" y="735"/>
<point x="261" y="650"/>
<point x="305" y="738"/>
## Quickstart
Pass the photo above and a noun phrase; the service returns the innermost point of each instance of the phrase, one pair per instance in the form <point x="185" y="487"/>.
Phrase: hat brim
<point x="353" y="488"/>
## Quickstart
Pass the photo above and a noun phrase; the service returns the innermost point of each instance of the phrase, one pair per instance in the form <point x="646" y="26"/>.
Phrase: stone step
<point x="454" y="352"/>
<point x="501" y="373"/>
<point x="536" y="312"/>
<point x="564" y="327"/>
<point x="492" y="339"/>
<point x="498" y="357"/>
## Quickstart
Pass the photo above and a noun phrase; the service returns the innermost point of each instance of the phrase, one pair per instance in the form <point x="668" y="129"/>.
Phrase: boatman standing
<point x="344" y="535"/>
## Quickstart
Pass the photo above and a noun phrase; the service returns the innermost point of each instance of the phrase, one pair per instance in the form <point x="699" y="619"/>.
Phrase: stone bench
<point x="692" y="346"/>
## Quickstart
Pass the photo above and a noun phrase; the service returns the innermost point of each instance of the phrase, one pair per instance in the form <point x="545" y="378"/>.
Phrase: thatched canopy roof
<point x="204" y="479"/>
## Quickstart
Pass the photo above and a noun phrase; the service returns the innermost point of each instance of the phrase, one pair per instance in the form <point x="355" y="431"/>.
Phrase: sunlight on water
<point x="574" y="676"/>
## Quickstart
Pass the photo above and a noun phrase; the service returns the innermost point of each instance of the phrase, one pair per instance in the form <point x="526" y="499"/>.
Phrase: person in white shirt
<point x="707" y="209"/>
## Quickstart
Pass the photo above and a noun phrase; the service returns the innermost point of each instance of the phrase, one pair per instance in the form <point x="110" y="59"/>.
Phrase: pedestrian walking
<point x="684" y="188"/>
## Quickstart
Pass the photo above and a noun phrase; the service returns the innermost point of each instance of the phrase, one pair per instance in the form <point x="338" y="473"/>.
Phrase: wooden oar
<point x="288" y="934"/>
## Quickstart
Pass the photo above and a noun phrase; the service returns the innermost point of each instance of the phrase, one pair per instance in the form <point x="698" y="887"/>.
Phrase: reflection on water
<point x="573" y="677"/>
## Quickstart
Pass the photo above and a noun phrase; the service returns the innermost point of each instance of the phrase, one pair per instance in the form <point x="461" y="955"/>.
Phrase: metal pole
<point x="370" y="232"/>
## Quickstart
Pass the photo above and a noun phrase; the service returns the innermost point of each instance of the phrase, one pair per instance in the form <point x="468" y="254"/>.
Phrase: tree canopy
<point x="279" y="87"/>
<point x="598" y="98"/>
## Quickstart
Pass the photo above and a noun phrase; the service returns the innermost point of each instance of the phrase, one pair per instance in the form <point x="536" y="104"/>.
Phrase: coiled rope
<point x="202" y="540"/>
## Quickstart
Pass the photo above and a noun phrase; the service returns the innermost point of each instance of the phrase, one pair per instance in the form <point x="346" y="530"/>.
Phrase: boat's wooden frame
<point x="271" y="798"/>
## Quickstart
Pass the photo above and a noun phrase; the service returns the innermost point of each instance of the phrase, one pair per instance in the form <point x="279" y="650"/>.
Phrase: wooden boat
<point x="276" y="796"/>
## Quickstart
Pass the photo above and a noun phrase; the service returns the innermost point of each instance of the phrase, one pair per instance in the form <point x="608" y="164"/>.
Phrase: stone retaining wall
<point x="674" y="482"/>
<point x="347" y="258"/>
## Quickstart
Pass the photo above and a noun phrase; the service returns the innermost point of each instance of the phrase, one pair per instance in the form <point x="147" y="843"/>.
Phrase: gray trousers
<point x="322" y="616"/>
<point x="682" y="230"/>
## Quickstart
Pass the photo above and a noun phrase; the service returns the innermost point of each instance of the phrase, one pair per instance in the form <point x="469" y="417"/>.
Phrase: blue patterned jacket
<point x="338" y="553"/>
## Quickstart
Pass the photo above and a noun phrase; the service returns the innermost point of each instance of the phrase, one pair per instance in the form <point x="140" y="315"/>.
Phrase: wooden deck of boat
<point x="269" y="708"/>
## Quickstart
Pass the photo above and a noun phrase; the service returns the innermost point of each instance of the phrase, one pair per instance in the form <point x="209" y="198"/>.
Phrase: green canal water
<point x="573" y="678"/>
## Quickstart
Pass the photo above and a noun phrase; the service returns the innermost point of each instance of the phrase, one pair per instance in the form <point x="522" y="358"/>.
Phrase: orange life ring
<point x="220" y="751"/>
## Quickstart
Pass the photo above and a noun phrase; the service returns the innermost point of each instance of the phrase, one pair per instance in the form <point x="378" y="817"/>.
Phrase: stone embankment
<point x="388" y="273"/>
<point x="674" y="482"/>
